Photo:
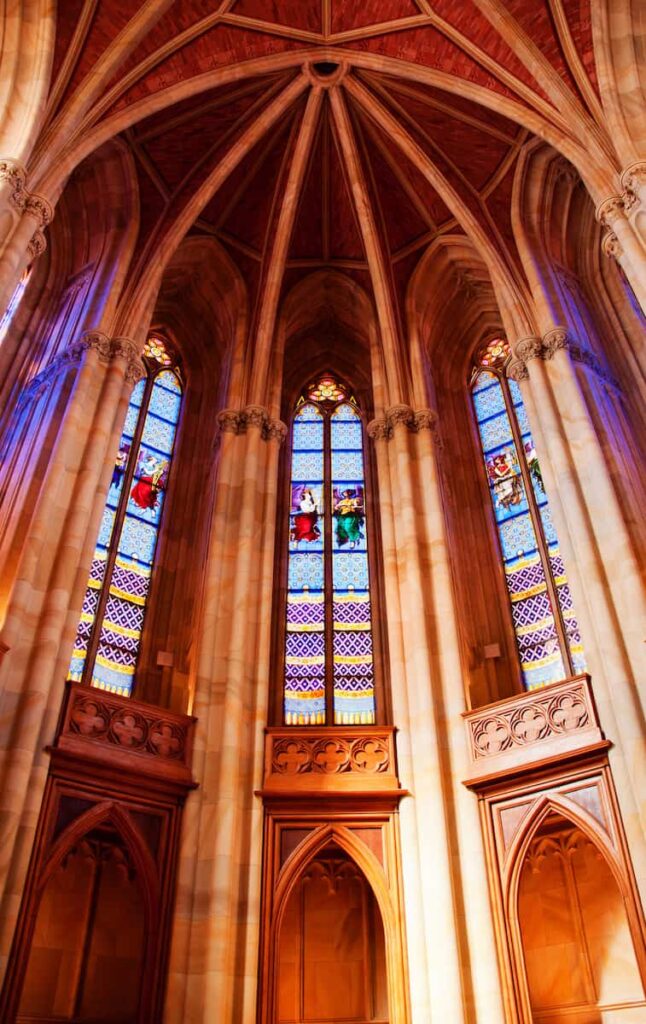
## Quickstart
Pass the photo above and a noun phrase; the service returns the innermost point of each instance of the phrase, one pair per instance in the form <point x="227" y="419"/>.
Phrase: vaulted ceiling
<point x="422" y="106"/>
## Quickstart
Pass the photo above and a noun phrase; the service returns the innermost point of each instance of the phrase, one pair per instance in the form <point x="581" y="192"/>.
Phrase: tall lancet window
<point x="329" y="671"/>
<point x="109" y="632"/>
<point x="547" y="632"/>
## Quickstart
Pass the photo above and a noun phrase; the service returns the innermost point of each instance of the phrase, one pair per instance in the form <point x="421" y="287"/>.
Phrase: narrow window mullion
<point x="115" y="536"/>
<point x="538" y="527"/>
<point x="328" y="573"/>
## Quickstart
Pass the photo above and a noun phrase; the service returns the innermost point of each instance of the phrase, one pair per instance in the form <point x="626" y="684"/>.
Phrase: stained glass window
<point x="109" y="632"/>
<point x="547" y="633"/>
<point x="14" y="302"/>
<point x="329" y="672"/>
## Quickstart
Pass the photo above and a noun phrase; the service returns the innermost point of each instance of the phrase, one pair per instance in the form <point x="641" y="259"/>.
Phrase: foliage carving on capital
<point x="610" y="210"/>
<point x="425" y="419"/>
<point x="554" y="340"/>
<point x="527" y="348"/>
<point x="400" y="414"/>
<point x="37" y="245"/>
<point x="517" y="370"/>
<point x="633" y="180"/>
<point x="15" y="175"/>
<point x="379" y="430"/>
<point x="229" y="421"/>
<point x="38" y="207"/>
<point x="274" y="430"/>
<point x="135" y="371"/>
<point x="611" y="245"/>
<point x="124" y="348"/>
<point x="99" y="342"/>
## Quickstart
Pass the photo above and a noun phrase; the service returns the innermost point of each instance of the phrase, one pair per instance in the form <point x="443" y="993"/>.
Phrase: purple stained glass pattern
<point x="304" y="691"/>
<point x="132" y="552"/>
<point x="533" y="616"/>
<point x="353" y="670"/>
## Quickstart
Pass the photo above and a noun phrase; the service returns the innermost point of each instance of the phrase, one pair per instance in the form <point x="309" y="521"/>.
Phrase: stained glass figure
<point x="547" y="633"/>
<point x="109" y="632"/>
<point x="14" y="302"/>
<point x="328" y="648"/>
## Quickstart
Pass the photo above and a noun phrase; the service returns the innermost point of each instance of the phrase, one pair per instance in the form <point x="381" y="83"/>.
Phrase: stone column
<point x="443" y="858"/>
<point x="55" y="537"/>
<point x="625" y="239"/>
<point x="213" y="970"/>
<point x="598" y="562"/>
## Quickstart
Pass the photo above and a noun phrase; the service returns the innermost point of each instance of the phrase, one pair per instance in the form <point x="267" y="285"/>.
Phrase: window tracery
<point x="329" y="670"/>
<point x="545" y="624"/>
<point x="109" y="631"/>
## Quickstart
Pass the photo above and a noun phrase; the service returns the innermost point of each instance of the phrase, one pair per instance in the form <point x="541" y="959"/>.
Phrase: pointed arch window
<point x="14" y="302"/>
<point x="329" y="665"/>
<point x="547" y="632"/>
<point x="109" y="632"/>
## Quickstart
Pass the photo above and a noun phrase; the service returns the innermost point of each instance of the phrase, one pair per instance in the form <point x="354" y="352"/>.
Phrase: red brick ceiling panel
<point x="345" y="235"/>
<point x="312" y="223"/>
<point x="67" y="18"/>
<point x="472" y="24"/>
<point x="242" y="208"/>
<point x="450" y="102"/>
<point x="151" y="207"/>
<point x="349" y="14"/>
<point x="180" y="142"/>
<point x="404" y="218"/>
<point x="177" y="19"/>
<point x="430" y="48"/>
<point x="109" y="20"/>
<point x="426" y="194"/>
<point x="499" y="206"/>
<point x="301" y="14"/>
<point x="536" y="20"/>
<point x="579" y="21"/>
<point x="218" y="48"/>
<point x="477" y="153"/>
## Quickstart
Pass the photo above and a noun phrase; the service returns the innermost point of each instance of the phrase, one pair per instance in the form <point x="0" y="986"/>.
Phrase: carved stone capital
<point x="610" y="210"/>
<point x="554" y="340"/>
<point x="518" y="371"/>
<point x="229" y="421"/>
<point x="37" y="245"/>
<point x="255" y="416"/>
<point x="379" y="430"/>
<point x="14" y="176"/>
<point x="400" y="414"/>
<point x="135" y="371"/>
<point x="611" y="245"/>
<point x="425" y="419"/>
<point x="39" y="208"/>
<point x="274" y="430"/>
<point x="125" y="348"/>
<point x="633" y="181"/>
<point x="99" y="342"/>
<point x="527" y="348"/>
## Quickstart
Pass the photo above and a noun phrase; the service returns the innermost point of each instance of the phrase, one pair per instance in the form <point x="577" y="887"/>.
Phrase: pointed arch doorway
<point x="331" y="953"/>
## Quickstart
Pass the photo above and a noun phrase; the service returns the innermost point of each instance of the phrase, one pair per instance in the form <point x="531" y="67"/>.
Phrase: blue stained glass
<point x="346" y="435"/>
<point x="307" y="467"/>
<point x="129" y="582"/>
<point x="495" y="433"/>
<point x="350" y="570"/>
<point x="307" y="435"/>
<point x="347" y="466"/>
<point x="309" y="413"/>
<point x="305" y="570"/>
